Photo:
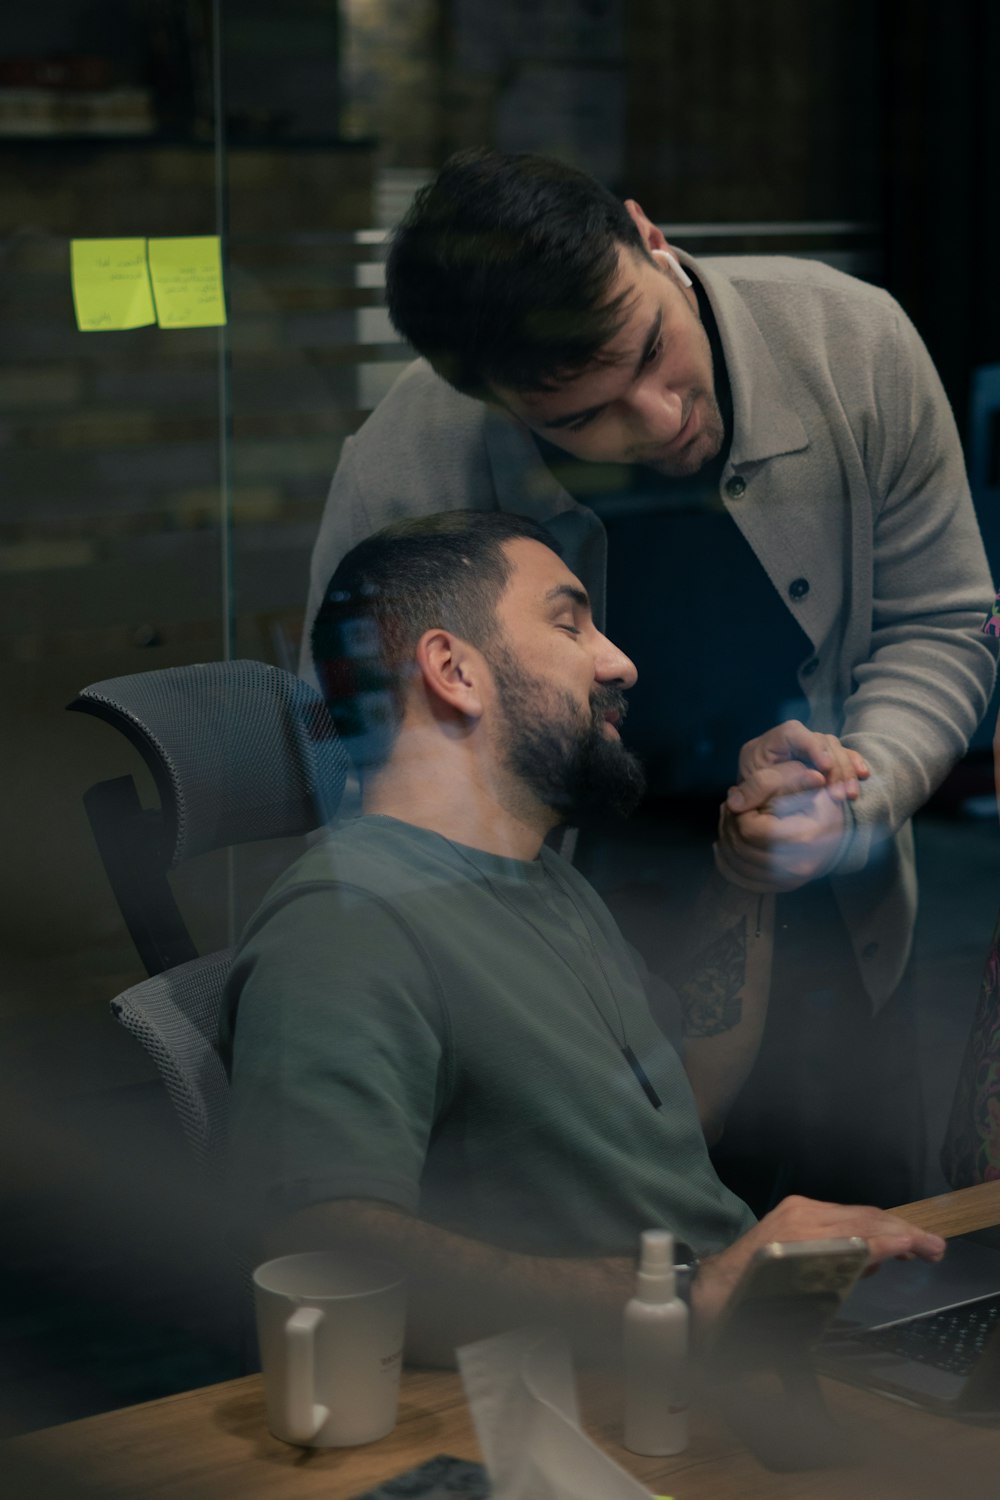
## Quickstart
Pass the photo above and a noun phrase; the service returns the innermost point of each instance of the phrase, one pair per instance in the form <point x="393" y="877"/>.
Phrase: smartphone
<point x="440" y="1478"/>
<point x="782" y="1303"/>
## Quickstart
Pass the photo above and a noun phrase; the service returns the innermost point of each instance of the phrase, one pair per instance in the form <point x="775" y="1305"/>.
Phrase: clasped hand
<point x="785" y="821"/>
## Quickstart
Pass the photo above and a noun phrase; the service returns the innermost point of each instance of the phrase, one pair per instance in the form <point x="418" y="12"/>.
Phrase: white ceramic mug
<point x="331" y="1347"/>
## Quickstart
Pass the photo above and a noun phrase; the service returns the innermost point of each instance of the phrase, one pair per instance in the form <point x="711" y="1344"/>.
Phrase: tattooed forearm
<point x="722" y="975"/>
<point x="711" y="984"/>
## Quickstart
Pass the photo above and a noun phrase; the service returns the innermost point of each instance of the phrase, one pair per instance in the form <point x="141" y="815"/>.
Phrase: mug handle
<point x="303" y="1417"/>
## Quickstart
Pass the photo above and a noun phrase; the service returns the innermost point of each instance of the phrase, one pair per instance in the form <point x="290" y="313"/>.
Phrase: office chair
<point x="176" y="1016"/>
<point x="238" y="751"/>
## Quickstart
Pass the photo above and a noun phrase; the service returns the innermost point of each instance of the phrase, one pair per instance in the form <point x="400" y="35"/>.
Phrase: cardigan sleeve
<point x="926" y="682"/>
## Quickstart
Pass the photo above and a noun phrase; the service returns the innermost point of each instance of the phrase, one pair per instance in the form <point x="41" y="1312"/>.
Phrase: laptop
<point x="925" y="1334"/>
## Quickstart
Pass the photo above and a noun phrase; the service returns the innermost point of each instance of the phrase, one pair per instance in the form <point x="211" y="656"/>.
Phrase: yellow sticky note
<point x="110" y="281"/>
<point x="186" y="272"/>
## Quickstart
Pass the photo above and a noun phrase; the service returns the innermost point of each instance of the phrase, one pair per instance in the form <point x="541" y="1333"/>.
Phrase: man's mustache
<point x="606" y="700"/>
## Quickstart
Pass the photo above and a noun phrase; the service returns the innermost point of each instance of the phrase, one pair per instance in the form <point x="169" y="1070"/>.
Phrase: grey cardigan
<point x="852" y="481"/>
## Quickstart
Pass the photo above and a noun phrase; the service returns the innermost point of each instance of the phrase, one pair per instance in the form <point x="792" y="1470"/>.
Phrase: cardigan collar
<point x="765" y="422"/>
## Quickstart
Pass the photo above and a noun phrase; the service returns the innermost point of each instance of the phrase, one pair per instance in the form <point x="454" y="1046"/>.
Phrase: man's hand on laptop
<point x="795" y="1218"/>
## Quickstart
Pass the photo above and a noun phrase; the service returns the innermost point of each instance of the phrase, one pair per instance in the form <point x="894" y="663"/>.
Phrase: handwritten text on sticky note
<point x="110" y="285"/>
<point x="186" y="272"/>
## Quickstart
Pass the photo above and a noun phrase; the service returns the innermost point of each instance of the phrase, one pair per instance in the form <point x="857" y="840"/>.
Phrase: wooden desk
<point x="961" y="1212"/>
<point x="214" y="1442"/>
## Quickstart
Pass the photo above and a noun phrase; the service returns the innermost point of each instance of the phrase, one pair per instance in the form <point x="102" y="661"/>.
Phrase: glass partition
<point x="163" y="482"/>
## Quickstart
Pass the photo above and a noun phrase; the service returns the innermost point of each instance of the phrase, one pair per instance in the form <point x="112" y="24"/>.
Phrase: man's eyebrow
<point x="649" y="344"/>
<point x="569" y="591"/>
<point x="571" y="417"/>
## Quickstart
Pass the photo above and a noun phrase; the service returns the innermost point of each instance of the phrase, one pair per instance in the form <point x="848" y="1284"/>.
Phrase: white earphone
<point x="674" y="264"/>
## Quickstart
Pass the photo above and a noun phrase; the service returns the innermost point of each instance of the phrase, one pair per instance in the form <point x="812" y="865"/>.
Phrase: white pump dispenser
<point x="656" y="1349"/>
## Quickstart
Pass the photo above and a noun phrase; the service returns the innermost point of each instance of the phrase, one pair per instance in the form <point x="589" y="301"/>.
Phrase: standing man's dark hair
<point x="447" y="570"/>
<point x="500" y="273"/>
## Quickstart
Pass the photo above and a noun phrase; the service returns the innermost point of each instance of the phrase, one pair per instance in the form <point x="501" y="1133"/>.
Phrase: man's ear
<point x="452" y="672"/>
<point x="652" y="236"/>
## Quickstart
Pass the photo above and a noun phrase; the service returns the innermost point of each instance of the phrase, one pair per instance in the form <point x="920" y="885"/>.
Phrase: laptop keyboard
<point x="951" y="1340"/>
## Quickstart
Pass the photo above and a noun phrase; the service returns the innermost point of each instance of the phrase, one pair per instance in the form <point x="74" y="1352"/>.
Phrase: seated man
<point x="441" y="1046"/>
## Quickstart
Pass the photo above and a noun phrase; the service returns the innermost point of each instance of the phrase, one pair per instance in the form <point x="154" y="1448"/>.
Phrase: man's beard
<point x="569" y="763"/>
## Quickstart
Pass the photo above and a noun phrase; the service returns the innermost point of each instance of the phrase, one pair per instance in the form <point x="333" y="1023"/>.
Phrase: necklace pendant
<point x="640" y="1073"/>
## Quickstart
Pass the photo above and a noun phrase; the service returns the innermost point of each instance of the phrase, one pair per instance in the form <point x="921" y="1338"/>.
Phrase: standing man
<point x="821" y="547"/>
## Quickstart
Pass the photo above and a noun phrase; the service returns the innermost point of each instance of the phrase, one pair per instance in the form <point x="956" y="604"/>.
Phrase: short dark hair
<point x="500" y="273"/>
<point x="447" y="570"/>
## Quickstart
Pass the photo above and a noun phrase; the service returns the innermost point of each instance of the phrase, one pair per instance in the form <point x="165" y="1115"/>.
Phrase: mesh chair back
<point x="177" y="1016"/>
<point x="239" y="750"/>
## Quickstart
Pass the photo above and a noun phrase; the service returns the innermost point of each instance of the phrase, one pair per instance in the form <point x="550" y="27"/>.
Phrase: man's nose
<point x="659" y="408"/>
<point x="611" y="665"/>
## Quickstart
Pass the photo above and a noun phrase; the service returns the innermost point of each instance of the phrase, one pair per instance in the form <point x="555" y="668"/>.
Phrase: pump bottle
<point x="656" y="1353"/>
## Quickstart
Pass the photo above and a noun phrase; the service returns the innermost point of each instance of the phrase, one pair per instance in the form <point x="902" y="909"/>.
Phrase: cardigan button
<point x="736" y="487"/>
<point x="869" y="950"/>
<point x="798" y="588"/>
<point x="810" y="666"/>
